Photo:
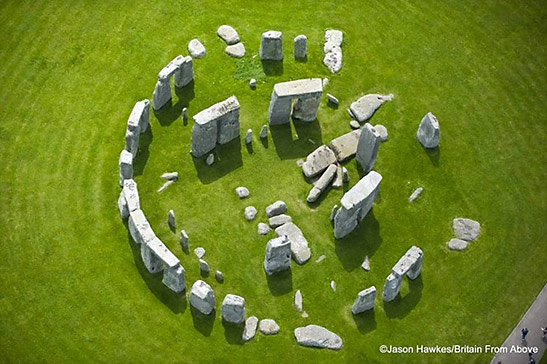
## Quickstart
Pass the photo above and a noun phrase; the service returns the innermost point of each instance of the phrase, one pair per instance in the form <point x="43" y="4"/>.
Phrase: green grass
<point x="72" y="285"/>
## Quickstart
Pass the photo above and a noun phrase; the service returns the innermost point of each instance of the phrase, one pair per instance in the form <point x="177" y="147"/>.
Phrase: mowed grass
<point x="72" y="284"/>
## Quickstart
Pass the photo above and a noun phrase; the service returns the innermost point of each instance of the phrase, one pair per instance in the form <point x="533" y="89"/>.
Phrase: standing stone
<point x="219" y="276"/>
<point x="129" y="198"/>
<point x="391" y="287"/>
<point x="263" y="229"/>
<point x="233" y="309"/>
<point x="242" y="192"/>
<point x="199" y="252"/>
<point x="367" y="149"/>
<point x="317" y="337"/>
<point x="204" y="267"/>
<point x="185" y="73"/>
<point x="429" y="133"/>
<point x="339" y="179"/>
<point x="184" y="240"/>
<point x="364" y="301"/>
<point x="409" y="264"/>
<point x="235" y="51"/>
<point x="301" y="253"/>
<point x="382" y="131"/>
<point x="268" y="327"/>
<point x="298" y="301"/>
<point x="156" y="256"/>
<point x="174" y="279"/>
<point x="250" y="213"/>
<point x="202" y="297"/>
<point x="185" y="114"/>
<point x="249" y="331"/>
<point x="345" y="175"/>
<point x="264" y="132"/>
<point x="132" y="142"/>
<point x="466" y="229"/>
<point x="139" y="228"/>
<point x="366" y="264"/>
<point x="139" y="119"/>
<point x="196" y="49"/>
<point x="333" y="286"/>
<point x="252" y="83"/>
<point x="276" y="208"/>
<point x="332" y="99"/>
<point x="125" y="163"/>
<point x="249" y="136"/>
<point x="228" y="34"/>
<point x="171" y="220"/>
<point x="345" y="146"/>
<point x="356" y="203"/>
<point x="278" y="220"/>
<point x="366" y="106"/>
<point x="417" y="192"/>
<point x="271" y="46"/>
<point x="307" y="93"/>
<point x="162" y="93"/>
<point x="318" y="161"/>
<point x="122" y="206"/>
<point x="322" y="183"/>
<point x="278" y="255"/>
<point x="210" y="159"/>
<point x="457" y="244"/>
<point x="300" y="47"/>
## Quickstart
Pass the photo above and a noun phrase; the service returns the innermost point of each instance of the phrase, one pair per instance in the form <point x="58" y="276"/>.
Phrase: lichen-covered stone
<point x="271" y="46"/>
<point x="366" y="106"/>
<point x="367" y="148"/>
<point x="233" y="309"/>
<point x="429" y="132"/>
<point x="300" y="47"/>
<point x="125" y="164"/>
<point x="202" y="297"/>
<point x="278" y="255"/>
<point x="174" y="278"/>
<point x="299" y="245"/>
<point x="317" y="337"/>
<point x="318" y="161"/>
<point x="364" y="301"/>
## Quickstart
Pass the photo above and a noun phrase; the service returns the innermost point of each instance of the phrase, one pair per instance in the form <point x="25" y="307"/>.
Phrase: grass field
<point x="72" y="284"/>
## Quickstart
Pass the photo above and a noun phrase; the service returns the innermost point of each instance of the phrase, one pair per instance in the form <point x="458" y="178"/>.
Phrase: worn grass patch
<point x="249" y="67"/>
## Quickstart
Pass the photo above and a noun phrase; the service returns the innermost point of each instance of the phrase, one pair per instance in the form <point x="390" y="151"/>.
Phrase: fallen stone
<point x="249" y="136"/>
<point x="311" y="141"/>
<point x="268" y="327"/>
<point x="366" y="264"/>
<point x="299" y="245"/>
<point x="278" y="255"/>
<point x="344" y="147"/>
<point x="242" y="192"/>
<point x="333" y="213"/>
<point x="333" y="59"/>
<point x="263" y="229"/>
<point x="202" y="297"/>
<point x="382" y="131"/>
<point x="219" y="276"/>
<point x="271" y="46"/>
<point x="174" y="279"/>
<point x="351" y="114"/>
<point x="165" y="185"/>
<point x="125" y="164"/>
<point x="300" y="47"/>
<point x="354" y="124"/>
<point x="457" y="244"/>
<point x="277" y="208"/>
<point x="333" y="286"/>
<point x="228" y="34"/>
<point x="252" y="83"/>
<point x="249" y="331"/>
<point x="322" y="183"/>
<point x="196" y="49"/>
<point x="466" y="229"/>
<point x="210" y="159"/>
<point x="184" y="240"/>
<point x="264" y="132"/>
<point x="199" y="252"/>
<point x="317" y="161"/>
<point x="429" y="133"/>
<point x="235" y="51"/>
<point x="298" y="301"/>
<point x="333" y="100"/>
<point x="339" y="178"/>
<point x="233" y="309"/>
<point x="171" y="220"/>
<point x="417" y="192"/>
<point x="364" y="301"/>
<point x="321" y="258"/>
<point x="366" y="106"/>
<point x="278" y="220"/>
<point x="367" y="148"/>
<point x="317" y="337"/>
<point x="334" y="36"/>
<point x="300" y="162"/>
<point x="204" y="267"/>
<point x="170" y="176"/>
<point x="250" y="213"/>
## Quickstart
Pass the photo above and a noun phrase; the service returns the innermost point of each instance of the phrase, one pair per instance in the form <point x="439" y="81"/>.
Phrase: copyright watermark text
<point x="456" y="349"/>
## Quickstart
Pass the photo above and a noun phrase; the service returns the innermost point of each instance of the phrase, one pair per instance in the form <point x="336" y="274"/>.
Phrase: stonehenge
<point x="202" y="297"/>
<point x="233" y="309"/>
<point x="300" y="47"/>
<point x="218" y="124"/>
<point x="409" y="264"/>
<point x="271" y="46"/>
<point x="364" y="301"/>
<point x="356" y="203"/>
<point x="182" y="70"/>
<point x="429" y="133"/>
<point x="367" y="148"/>
<point x="307" y="93"/>
<point x="278" y="255"/>
<point x="366" y="106"/>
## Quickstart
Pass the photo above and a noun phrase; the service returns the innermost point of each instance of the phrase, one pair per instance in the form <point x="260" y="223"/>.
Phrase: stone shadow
<point x="265" y="142"/>
<point x="249" y="147"/>
<point x="401" y="306"/>
<point x="434" y="155"/>
<point x="302" y="60"/>
<point x="227" y="159"/>
<point x="272" y="68"/>
<point x="332" y="105"/>
<point x="365" y="321"/>
<point x="203" y="323"/>
<point x="280" y="283"/>
<point x="364" y="240"/>
<point x="287" y="148"/>
<point x="171" y="112"/>
<point x="233" y="333"/>
<point x="175" y="302"/>
<point x="139" y="162"/>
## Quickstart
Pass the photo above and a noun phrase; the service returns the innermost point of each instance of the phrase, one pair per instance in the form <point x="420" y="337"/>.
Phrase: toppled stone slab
<point x="242" y="192"/>
<point x="228" y="34"/>
<point x="199" y="252"/>
<point x="300" y="47"/>
<point x="367" y="148"/>
<point x="332" y="99"/>
<point x="345" y="146"/>
<point x="382" y="131"/>
<point x="307" y="93"/>
<point x="233" y="309"/>
<point x="356" y="203"/>
<point x="184" y="240"/>
<point x="165" y="185"/>
<point x="466" y="229"/>
<point x="339" y="178"/>
<point x="278" y="220"/>
<point x="299" y="245"/>
<point x="271" y="46"/>
<point x="457" y="244"/>
<point x="170" y="176"/>
<point x="278" y="255"/>
<point x="139" y="228"/>
<point x="202" y="297"/>
<point x="366" y="106"/>
<point x="268" y="327"/>
<point x="298" y="301"/>
<point x="366" y="264"/>
<point x="250" y="213"/>
<point x="429" y="132"/>
<point x="174" y="279"/>
<point x="196" y="49"/>
<point x="235" y="50"/>
<point x="277" y="208"/>
<point x="334" y="36"/>
<point x="263" y="229"/>
<point x="321" y="258"/>
<point x="322" y="183"/>
<point x="417" y="192"/>
<point x="364" y="301"/>
<point x="318" y="161"/>
<point x="249" y="331"/>
<point x="125" y="164"/>
<point x="317" y="337"/>
<point x="333" y="52"/>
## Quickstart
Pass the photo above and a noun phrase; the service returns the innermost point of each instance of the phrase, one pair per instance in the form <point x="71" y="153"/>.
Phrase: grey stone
<point x="271" y="46"/>
<point x="174" y="278"/>
<point x="410" y="264"/>
<point x="298" y="301"/>
<point x="364" y="301"/>
<point x="366" y="106"/>
<point x="466" y="229"/>
<point x="322" y="183"/>
<point x="268" y="327"/>
<point x="333" y="213"/>
<point x="382" y="131"/>
<point x="321" y="258"/>
<point x="250" y="213"/>
<point x="307" y="93"/>
<point x="235" y="51"/>
<point x="334" y="36"/>
<point x="233" y="309"/>
<point x="210" y="159"/>
<point x="333" y="59"/>
<point x="417" y="192"/>
<point x="299" y="245"/>
<point x="249" y="331"/>
<point x="351" y="115"/>
<point x="345" y="175"/>
<point x="263" y="229"/>
<point x="300" y="47"/>
<point x="249" y="136"/>
<point x="196" y="49"/>
<point x="139" y="228"/>
<point x="129" y="198"/>
<point x="125" y="164"/>
<point x="354" y="124"/>
<point x="278" y="255"/>
<point x="171" y="219"/>
<point x="140" y="116"/>
<point x="366" y="264"/>
<point x="252" y="83"/>
<point x="156" y="256"/>
<point x="185" y="73"/>
<point x="392" y="287"/>
<point x="202" y="297"/>
<point x="204" y="267"/>
<point x="228" y="34"/>
<point x="278" y="220"/>
<point x="367" y="149"/>
<point x="122" y="206"/>
<point x="199" y="252"/>
<point x="457" y="244"/>
<point x="170" y="176"/>
<point x="333" y="286"/>
<point x="264" y="132"/>
<point x="356" y="203"/>
<point x="277" y="208"/>
<point x="219" y="276"/>
<point x="345" y="146"/>
<point x="317" y="337"/>
<point x="242" y="192"/>
<point x="318" y="161"/>
<point x="325" y="82"/>
<point x="184" y="239"/>
<point x="185" y="114"/>
<point x="132" y="134"/>
<point x="429" y="132"/>
<point x="162" y="93"/>
<point x="339" y="178"/>
<point x="332" y="99"/>
<point x="165" y="185"/>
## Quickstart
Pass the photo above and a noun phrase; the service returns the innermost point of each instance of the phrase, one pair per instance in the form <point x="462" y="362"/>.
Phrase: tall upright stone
<point x="271" y="46"/>
<point x="364" y="301"/>
<point x="125" y="163"/>
<point x="202" y="297"/>
<point x="175" y="278"/>
<point x="185" y="73"/>
<point x="278" y="255"/>
<point x="300" y="47"/>
<point x="307" y="93"/>
<point x="162" y="93"/>
<point x="367" y="148"/>
<point x="410" y="264"/>
<point x="129" y="198"/>
<point x="429" y="132"/>
<point x="233" y="309"/>
<point x="139" y="119"/>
